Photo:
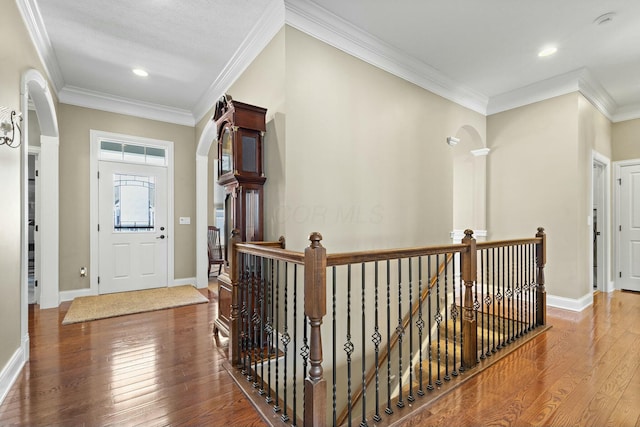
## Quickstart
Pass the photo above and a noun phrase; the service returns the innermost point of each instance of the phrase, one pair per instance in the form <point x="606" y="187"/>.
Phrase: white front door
<point x="630" y="228"/>
<point x="132" y="227"/>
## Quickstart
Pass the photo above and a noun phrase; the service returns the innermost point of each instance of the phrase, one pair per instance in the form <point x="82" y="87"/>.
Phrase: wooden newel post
<point x="468" y="260"/>
<point x="234" y="276"/>
<point x="541" y="293"/>
<point x="315" y="308"/>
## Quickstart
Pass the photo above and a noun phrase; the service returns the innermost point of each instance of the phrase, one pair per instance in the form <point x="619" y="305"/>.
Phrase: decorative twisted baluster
<point x="420" y="326"/>
<point x="400" y="333"/>
<point x="388" y="409"/>
<point x="286" y="339"/>
<point x="376" y="338"/>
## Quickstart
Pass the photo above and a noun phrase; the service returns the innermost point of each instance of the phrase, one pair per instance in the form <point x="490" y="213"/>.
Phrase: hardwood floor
<point x="157" y="368"/>
<point x="164" y="368"/>
<point x="584" y="371"/>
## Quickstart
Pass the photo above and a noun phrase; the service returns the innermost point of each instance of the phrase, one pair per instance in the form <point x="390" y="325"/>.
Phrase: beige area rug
<point x="110" y="305"/>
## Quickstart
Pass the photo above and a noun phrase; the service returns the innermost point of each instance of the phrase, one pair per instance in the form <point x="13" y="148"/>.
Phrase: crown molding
<point x="40" y="39"/>
<point x="258" y="38"/>
<point x="115" y="104"/>
<point x="580" y="80"/>
<point x="628" y="112"/>
<point x="323" y="25"/>
<point x="535" y="92"/>
<point x="591" y="88"/>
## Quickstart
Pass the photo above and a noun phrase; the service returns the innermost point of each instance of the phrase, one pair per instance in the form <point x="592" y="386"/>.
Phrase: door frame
<point x="616" y="206"/>
<point x="94" y="252"/>
<point x="35" y="152"/>
<point x="604" y="219"/>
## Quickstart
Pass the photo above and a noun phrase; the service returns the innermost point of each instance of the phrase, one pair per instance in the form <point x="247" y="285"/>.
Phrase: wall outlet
<point x="185" y="220"/>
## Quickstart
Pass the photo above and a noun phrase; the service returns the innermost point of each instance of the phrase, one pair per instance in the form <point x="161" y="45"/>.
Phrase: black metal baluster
<point x="376" y="338"/>
<point x="257" y="348"/>
<point x="276" y="405"/>
<point x="460" y="305"/>
<point x="420" y="326"/>
<point x="348" y="345"/>
<point x="446" y="321"/>
<point x="438" y="319"/>
<point x="305" y="365"/>
<point x="286" y="339"/>
<point x="476" y="303"/>
<point x="493" y="295"/>
<point x="510" y="290"/>
<point x="333" y="345"/>
<point x="487" y="302"/>
<point x="501" y="304"/>
<point x="400" y="332"/>
<point x="269" y="330"/>
<point x="295" y="340"/>
<point x="482" y="261"/>
<point x="530" y="266"/>
<point x="520" y="294"/>
<point x="363" y="423"/>
<point x="410" y="397"/>
<point x="454" y="318"/>
<point x="430" y="384"/>
<point x="263" y="316"/>
<point x="250" y="308"/>
<point x="244" y="290"/>
<point x="388" y="409"/>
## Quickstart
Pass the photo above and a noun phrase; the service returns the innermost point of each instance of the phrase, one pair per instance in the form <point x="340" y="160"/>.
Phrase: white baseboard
<point x="611" y="286"/>
<point x="186" y="281"/>
<point x="570" y="303"/>
<point x="11" y="370"/>
<point x="71" y="295"/>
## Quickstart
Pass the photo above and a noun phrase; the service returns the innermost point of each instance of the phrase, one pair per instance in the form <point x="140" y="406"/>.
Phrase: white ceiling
<point x="481" y="54"/>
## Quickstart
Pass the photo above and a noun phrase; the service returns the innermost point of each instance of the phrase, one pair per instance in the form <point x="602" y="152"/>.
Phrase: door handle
<point x="160" y="237"/>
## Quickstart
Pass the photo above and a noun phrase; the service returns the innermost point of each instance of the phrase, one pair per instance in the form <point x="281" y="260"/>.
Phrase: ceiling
<point x="481" y="54"/>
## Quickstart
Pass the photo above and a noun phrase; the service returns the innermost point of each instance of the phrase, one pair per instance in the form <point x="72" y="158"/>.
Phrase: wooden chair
<point x="214" y="248"/>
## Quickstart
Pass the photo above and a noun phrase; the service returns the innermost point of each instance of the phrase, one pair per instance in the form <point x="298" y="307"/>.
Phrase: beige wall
<point x="18" y="55"/>
<point x="75" y="124"/>
<point x="626" y="140"/>
<point x="539" y="175"/>
<point x="367" y="163"/>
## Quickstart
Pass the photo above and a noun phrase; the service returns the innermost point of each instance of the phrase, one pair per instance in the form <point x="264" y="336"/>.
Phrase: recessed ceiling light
<point x="140" y="72"/>
<point x="548" y="51"/>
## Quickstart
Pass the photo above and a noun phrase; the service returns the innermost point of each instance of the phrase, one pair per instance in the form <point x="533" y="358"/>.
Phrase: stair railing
<point x="278" y="349"/>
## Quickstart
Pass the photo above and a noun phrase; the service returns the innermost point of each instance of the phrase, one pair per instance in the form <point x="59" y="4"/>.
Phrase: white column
<point x="202" y="183"/>
<point x="49" y="222"/>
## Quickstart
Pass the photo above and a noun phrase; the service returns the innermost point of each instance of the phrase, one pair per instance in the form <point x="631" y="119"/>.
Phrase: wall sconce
<point x="9" y="121"/>
<point x="452" y="140"/>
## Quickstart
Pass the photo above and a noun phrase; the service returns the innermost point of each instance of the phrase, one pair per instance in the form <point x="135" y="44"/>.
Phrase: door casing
<point x="95" y="137"/>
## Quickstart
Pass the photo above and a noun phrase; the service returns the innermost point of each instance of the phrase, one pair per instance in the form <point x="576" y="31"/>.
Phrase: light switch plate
<point x="184" y="220"/>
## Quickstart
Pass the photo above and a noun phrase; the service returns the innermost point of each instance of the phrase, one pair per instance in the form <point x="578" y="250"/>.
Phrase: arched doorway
<point x="34" y="88"/>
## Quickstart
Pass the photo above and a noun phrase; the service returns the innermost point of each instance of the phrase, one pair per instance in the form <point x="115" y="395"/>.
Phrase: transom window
<point x="132" y="153"/>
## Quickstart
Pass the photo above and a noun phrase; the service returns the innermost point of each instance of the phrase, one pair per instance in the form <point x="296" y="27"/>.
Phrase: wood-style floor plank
<point x="164" y="368"/>
<point x="159" y="368"/>
<point x="584" y="371"/>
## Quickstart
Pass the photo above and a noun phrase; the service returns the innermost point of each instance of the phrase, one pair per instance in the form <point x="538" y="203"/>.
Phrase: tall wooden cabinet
<point x="240" y="129"/>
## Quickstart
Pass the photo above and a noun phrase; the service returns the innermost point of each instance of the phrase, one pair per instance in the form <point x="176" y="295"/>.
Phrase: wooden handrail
<point x="271" y="252"/>
<point x="391" y="254"/>
<point x="394" y="339"/>
<point x="512" y="242"/>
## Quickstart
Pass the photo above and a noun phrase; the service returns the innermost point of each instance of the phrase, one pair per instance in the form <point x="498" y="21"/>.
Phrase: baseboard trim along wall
<point x="11" y="370"/>
<point x="186" y="281"/>
<point x="570" y="303"/>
